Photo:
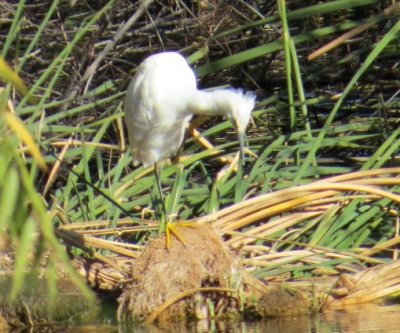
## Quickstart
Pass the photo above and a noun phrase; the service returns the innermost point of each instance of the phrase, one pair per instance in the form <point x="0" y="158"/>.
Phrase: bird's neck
<point x="207" y="102"/>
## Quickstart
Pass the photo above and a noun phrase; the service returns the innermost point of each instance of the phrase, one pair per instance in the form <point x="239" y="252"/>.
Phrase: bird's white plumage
<point x="161" y="99"/>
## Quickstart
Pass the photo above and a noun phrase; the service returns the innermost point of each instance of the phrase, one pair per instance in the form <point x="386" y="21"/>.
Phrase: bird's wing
<point x="155" y="110"/>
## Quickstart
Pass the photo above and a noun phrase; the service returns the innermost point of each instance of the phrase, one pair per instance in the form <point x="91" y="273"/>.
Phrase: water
<point x="358" y="319"/>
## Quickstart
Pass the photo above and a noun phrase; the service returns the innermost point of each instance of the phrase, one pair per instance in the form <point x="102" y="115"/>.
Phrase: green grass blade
<point x="378" y="48"/>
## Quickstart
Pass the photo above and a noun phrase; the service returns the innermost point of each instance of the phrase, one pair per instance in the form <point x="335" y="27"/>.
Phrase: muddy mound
<point x="159" y="275"/>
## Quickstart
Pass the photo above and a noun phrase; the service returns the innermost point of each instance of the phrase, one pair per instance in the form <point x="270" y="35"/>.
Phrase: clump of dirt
<point x="160" y="275"/>
<point x="31" y="308"/>
<point x="281" y="301"/>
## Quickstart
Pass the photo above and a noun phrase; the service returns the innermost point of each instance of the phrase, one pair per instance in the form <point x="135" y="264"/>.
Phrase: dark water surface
<point x="360" y="319"/>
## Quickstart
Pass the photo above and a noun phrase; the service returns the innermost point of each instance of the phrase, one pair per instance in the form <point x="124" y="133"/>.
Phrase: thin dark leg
<point x="164" y="218"/>
<point x="165" y="225"/>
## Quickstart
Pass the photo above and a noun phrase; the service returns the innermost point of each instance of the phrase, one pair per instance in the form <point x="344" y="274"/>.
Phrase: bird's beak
<point x="241" y="146"/>
<point x="242" y="136"/>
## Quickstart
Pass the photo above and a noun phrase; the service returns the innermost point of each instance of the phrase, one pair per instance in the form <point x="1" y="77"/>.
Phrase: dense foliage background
<point x="328" y="116"/>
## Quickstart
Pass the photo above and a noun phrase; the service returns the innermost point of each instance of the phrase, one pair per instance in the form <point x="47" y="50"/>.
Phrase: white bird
<point x="160" y="101"/>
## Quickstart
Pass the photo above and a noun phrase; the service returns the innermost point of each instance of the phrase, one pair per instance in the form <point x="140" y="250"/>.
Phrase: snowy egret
<point x="160" y="101"/>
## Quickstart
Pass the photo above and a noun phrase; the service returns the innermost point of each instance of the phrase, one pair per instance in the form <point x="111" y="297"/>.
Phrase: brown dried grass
<point x="169" y="282"/>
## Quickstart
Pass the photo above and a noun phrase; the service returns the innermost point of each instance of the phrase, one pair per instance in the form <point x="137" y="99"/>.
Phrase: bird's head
<point x="239" y="108"/>
<point x="231" y="103"/>
<point x="238" y="111"/>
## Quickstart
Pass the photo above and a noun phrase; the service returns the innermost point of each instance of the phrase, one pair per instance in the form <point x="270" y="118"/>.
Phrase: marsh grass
<point x="329" y="117"/>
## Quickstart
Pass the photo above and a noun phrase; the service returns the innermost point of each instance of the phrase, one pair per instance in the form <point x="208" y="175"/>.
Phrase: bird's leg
<point x="164" y="210"/>
<point x="165" y="224"/>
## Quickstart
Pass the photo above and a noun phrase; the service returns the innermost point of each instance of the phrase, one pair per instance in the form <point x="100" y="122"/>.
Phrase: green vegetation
<point x="325" y="117"/>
